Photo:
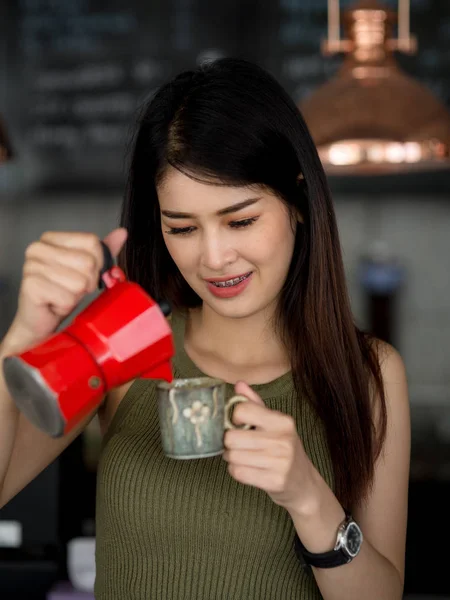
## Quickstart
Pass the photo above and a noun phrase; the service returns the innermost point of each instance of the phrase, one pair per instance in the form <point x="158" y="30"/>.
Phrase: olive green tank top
<point x="185" y="529"/>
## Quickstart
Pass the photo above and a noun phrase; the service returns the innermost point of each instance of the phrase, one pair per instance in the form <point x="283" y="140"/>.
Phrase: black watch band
<point x="348" y="544"/>
<point x="325" y="560"/>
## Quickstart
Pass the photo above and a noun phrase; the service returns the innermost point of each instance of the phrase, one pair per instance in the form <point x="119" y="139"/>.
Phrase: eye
<point x="180" y="230"/>
<point x="243" y="223"/>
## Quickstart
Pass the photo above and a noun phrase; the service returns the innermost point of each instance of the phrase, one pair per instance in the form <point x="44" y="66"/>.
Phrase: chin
<point x="234" y="309"/>
<point x="243" y="306"/>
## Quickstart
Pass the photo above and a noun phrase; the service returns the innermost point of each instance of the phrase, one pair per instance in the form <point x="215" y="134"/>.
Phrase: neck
<point x="249" y="341"/>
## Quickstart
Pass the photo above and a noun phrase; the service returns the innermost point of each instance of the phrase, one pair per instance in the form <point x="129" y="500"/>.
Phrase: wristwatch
<point x="348" y="544"/>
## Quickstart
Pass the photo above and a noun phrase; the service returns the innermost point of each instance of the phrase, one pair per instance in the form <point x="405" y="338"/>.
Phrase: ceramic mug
<point x="194" y="415"/>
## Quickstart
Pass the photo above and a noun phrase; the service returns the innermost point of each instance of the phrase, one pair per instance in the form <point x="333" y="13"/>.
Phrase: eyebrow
<point x="224" y="211"/>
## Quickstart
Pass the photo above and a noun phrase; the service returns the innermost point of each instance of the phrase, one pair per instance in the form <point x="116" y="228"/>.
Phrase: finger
<point x="245" y="439"/>
<point x="80" y="240"/>
<point x="46" y="293"/>
<point x="77" y="244"/>
<point x="257" y="440"/>
<point x="251" y="458"/>
<point x="87" y="241"/>
<point x="250" y="413"/>
<point x="83" y="262"/>
<point x="116" y="239"/>
<point x="260" y="478"/>
<point x="245" y="390"/>
<point x="74" y="281"/>
<point x="261" y="417"/>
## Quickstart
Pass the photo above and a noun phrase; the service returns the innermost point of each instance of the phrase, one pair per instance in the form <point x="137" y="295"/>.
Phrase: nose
<point x="216" y="251"/>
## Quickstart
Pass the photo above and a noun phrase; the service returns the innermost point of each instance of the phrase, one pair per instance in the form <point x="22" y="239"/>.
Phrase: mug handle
<point x="231" y="402"/>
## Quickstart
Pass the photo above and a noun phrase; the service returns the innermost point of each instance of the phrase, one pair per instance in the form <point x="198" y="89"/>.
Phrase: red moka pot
<point x="122" y="335"/>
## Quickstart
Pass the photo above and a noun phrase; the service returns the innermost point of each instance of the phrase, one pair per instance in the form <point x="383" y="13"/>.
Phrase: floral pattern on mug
<point x="198" y="413"/>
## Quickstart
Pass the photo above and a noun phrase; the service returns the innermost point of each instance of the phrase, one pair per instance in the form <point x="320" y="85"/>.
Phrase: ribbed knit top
<point x="185" y="529"/>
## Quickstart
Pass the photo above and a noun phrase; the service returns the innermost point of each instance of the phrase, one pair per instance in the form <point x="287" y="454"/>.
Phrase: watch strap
<point x="324" y="560"/>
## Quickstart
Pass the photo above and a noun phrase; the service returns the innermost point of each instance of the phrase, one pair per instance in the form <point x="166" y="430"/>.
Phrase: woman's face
<point x="233" y="245"/>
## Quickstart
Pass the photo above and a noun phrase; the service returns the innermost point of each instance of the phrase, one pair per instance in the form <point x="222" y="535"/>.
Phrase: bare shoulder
<point x="395" y="384"/>
<point x="391" y="363"/>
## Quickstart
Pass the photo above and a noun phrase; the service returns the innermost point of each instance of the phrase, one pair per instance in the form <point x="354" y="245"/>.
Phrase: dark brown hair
<point x="230" y="122"/>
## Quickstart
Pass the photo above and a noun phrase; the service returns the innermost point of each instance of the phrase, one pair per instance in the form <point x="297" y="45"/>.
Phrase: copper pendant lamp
<point x="6" y="152"/>
<point x="371" y="117"/>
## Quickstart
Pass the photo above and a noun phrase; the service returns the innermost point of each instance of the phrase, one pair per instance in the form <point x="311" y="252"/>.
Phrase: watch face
<point x="353" y="539"/>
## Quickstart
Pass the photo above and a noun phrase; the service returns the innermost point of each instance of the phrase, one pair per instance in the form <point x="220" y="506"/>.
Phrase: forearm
<point x="9" y="417"/>
<point x="370" y="575"/>
<point x="14" y="341"/>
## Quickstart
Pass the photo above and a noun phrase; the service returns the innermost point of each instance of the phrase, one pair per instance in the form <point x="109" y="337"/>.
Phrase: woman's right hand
<point x="59" y="270"/>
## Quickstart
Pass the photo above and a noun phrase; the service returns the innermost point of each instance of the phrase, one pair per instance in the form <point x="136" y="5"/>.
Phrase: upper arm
<point x="383" y="516"/>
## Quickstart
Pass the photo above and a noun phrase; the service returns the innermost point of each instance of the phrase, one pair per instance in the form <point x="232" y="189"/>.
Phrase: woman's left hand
<point x="271" y="455"/>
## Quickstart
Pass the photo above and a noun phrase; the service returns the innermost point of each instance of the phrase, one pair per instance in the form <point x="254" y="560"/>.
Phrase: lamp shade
<point x="372" y="117"/>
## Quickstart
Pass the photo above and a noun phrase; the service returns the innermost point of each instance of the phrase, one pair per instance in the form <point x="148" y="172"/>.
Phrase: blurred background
<point x="374" y="83"/>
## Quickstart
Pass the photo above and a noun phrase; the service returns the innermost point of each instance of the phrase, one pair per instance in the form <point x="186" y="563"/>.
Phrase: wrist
<point x="317" y="519"/>
<point x="316" y="494"/>
<point x="348" y="543"/>
<point x="16" y="340"/>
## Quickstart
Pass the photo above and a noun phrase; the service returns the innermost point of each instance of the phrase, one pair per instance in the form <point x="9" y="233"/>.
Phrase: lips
<point x="230" y="278"/>
<point x="229" y="287"/>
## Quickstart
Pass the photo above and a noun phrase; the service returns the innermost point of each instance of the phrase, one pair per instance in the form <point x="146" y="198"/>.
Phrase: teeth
<point x="230" y="282"/>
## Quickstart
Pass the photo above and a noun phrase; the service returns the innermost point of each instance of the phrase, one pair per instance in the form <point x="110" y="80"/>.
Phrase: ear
<point x="299" y="216"/>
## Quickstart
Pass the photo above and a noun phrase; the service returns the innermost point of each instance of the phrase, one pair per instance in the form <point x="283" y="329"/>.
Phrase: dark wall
<point x="77" y="70"/>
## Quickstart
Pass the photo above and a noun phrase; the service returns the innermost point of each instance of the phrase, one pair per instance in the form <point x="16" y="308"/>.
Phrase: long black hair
<point x="231" y="123"/>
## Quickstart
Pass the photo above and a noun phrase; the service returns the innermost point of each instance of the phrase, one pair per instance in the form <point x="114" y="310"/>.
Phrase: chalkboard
<point x="76" y="71"/>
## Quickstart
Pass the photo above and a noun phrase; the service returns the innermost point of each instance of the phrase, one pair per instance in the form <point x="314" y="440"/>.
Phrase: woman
<point x="229" y="217"/>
